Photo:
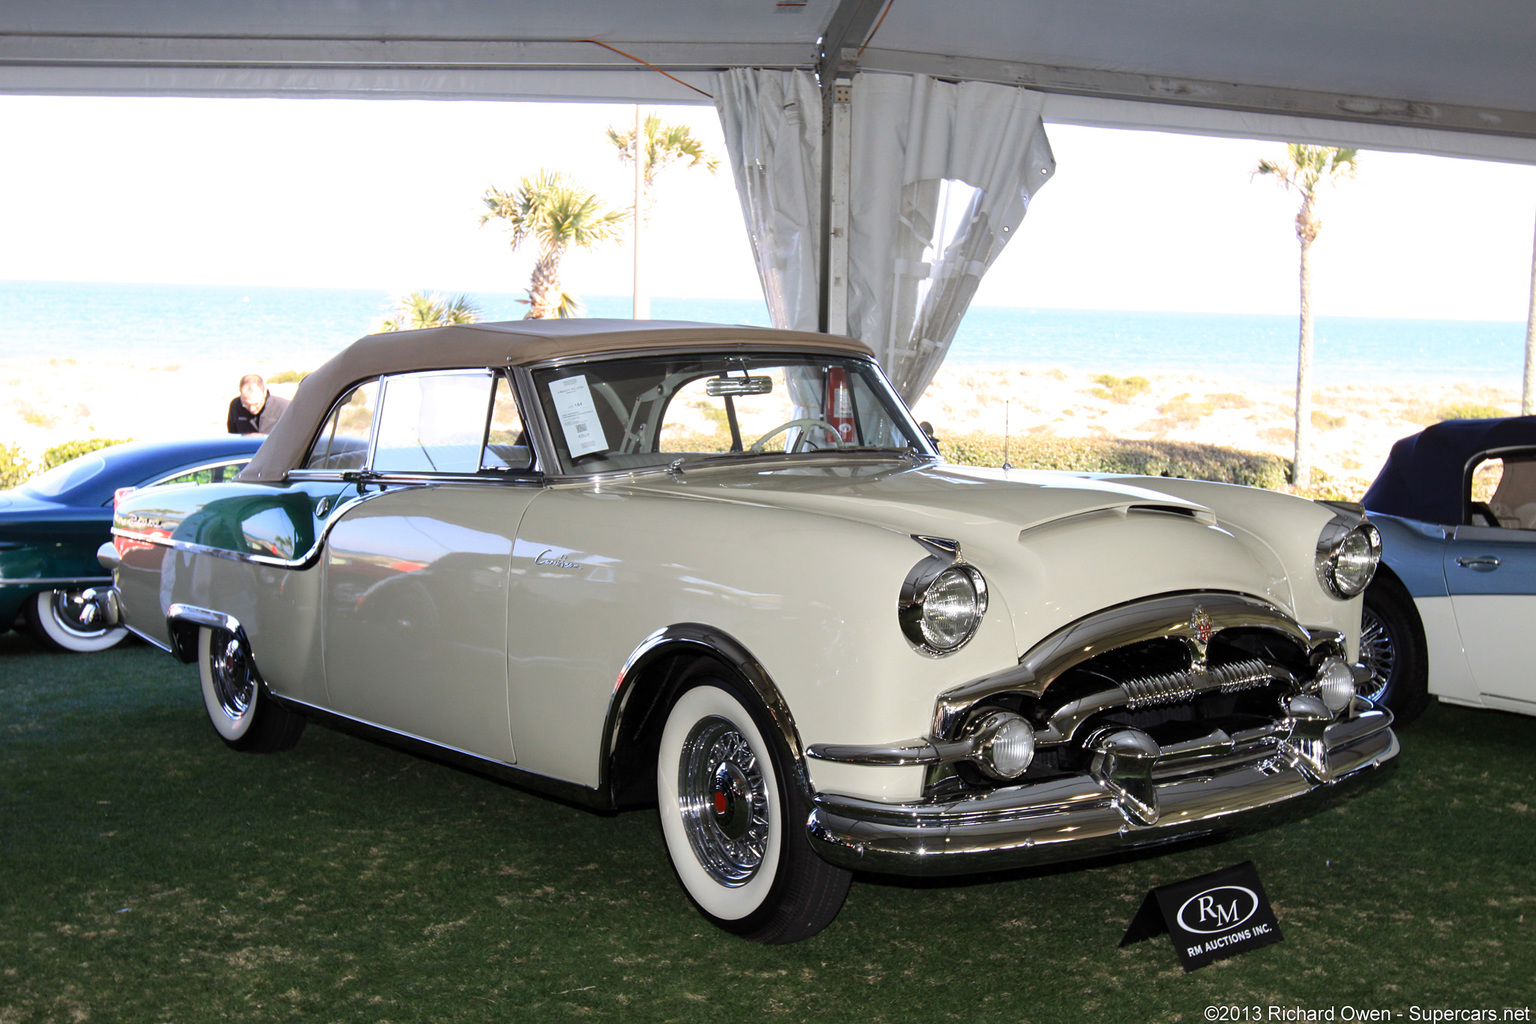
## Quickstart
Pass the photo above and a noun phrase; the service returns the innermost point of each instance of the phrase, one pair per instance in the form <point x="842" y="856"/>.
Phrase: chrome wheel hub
<point x="77" y="615"/>
<point x="234" y="683"/>
<point x="723" y="799"/>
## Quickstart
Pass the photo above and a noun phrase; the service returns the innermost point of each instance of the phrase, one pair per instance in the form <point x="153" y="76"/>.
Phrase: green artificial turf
<point x="147" y="873"/>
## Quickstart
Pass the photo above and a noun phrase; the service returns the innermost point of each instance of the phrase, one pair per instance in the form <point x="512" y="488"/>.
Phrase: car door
<point x="415" y="593"/>
<point x="1490" y="572"/>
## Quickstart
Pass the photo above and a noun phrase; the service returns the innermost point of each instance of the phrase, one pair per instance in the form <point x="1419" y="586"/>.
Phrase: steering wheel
<point x="808" y="421"/>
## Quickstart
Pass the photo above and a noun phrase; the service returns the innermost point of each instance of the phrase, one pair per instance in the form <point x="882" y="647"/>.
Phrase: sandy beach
<point x="45" y="402"/>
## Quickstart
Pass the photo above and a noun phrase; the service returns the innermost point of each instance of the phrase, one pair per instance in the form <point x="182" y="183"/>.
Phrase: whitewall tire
<point x="64" y="621"/>
<point x="239" y="707"/>
<point x="734" y="819"/>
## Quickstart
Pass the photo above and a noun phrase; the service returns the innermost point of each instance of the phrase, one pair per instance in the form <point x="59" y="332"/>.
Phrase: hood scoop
<point x="1202" y="516"/>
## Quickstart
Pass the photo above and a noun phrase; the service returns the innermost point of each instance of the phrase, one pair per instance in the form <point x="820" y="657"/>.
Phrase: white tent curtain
<point x="772" y="123"/>
<point x="942" y="175"/>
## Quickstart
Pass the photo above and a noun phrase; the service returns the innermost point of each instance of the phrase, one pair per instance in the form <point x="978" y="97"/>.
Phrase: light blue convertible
<point x="1452" y="610"/>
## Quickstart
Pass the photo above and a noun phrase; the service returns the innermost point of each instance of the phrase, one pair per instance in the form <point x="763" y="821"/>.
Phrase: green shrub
<point x="288" y="377"/>
<point x="1470" y="411"/>
<point x="14" y="467"/>
<point x="1119" y="389"/>
<point x="1147" y="458"/>
<point x="62" y="453"/>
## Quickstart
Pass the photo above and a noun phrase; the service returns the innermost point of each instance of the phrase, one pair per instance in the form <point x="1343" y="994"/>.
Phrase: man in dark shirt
<point x="255" y="410"/>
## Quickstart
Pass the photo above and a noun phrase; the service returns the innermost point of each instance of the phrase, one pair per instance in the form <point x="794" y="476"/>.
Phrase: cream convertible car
<point x="721" y="570"/>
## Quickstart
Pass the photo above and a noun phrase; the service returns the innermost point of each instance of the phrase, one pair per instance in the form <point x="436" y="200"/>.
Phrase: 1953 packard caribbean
<point x="721" y="570"/>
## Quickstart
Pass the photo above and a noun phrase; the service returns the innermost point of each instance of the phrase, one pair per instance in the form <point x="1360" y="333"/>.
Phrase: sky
<point x="388" y="195"/>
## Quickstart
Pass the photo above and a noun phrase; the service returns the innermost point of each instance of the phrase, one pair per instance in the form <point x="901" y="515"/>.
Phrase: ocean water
<point x="158" y="325"/>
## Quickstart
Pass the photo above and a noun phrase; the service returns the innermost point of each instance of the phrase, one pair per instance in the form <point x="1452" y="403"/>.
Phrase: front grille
<point x="1176" y="687"/>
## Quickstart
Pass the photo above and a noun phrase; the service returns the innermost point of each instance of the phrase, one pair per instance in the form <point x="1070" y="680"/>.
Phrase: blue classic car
<point x="1448" y="611"/>
<point x="51" y="526"/>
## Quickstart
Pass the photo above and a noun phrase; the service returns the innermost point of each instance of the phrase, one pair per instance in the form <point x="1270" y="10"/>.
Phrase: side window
<point x="343" y="442"/>
<point x="207" y="475"/>
<point x="433" y="423"/>
<point x="1504" y="493"/>
<point x="506" y="447"/>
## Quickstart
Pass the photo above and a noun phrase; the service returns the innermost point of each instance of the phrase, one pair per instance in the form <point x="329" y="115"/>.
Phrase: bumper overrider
<point x="1256" y="720"/>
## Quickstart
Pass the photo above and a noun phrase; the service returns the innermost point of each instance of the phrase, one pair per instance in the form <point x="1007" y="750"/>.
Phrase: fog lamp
<point x="1335" y="684"/>
<point x="1005" y="744"/>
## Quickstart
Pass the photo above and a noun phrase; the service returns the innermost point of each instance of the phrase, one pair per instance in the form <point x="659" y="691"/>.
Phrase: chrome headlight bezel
<point x="1348" y="552"/>
<point x="941" y="585"/>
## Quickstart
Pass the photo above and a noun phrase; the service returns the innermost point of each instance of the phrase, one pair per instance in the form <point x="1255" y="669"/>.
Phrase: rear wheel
<point x="65" y="621"/>
<point x="242" y="712"/>
<point x="734" y="819"/>
<point x="1392" y="647"/>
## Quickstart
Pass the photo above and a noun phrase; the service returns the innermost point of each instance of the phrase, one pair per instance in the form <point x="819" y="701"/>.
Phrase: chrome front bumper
<point x="1098" y="812"/>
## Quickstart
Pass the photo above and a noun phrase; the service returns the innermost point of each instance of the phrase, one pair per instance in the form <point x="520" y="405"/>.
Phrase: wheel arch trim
<point x="699" y="639"/>
<point x="184" y="641"/>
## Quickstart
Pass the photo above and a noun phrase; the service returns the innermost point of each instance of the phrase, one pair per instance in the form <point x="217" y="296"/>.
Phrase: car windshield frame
<point x="624" y="405"/>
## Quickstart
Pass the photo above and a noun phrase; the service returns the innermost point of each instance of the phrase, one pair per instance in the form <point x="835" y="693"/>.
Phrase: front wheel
<point x="242" y="712"/>
<point x="1392" y="648"/>
<point x="734" y="820"/>
<point x="65" y="621"/>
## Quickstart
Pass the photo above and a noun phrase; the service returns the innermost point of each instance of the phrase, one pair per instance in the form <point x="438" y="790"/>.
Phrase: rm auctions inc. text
<point x="1247" y="1014"/>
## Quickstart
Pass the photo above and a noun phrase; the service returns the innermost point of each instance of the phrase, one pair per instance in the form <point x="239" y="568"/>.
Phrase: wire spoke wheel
<point x="724" y="801"/>
<point x="1377" y="653"/>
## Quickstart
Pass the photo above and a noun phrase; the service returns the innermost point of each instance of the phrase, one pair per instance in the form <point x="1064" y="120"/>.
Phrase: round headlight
<point x="1005" y="745"/>
<point x="1347" y="558"/>
<point x="1335" y="685"/>
<point x="952" y="607"/>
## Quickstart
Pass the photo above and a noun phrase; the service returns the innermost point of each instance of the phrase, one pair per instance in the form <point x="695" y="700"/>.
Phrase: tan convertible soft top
<point x="516" y="343"/>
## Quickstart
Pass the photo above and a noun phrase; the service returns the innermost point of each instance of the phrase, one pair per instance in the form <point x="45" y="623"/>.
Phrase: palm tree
<point x="1306" y="169"/>
<point x="663" y="145"/>
<point x="557" y="214"/>
<point x="420" y="310"/>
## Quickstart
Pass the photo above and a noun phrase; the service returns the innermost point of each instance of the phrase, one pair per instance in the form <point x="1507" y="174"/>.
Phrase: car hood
<point x="1055" y="546"/>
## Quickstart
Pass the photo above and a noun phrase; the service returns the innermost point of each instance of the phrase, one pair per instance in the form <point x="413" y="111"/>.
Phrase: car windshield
<point x="67" y="477"/>
<point x="653" y="411"/>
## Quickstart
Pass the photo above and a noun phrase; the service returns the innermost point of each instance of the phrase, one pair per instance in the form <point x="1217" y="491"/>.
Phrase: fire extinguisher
<point x="840" y="404"/>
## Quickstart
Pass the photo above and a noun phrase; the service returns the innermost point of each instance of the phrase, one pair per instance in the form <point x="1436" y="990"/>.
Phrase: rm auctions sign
<point x="1208" y="918"/>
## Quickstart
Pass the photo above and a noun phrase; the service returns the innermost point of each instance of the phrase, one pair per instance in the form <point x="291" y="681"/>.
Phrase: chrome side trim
<point x="56" y="581"/>
<point x="1183" y="616"/>
<point x="1121" y="804"/>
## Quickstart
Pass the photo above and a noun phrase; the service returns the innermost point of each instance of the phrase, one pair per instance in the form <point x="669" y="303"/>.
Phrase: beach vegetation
<point x="62" y="453"/>
<point x="661" y="145"/>
<point x="1306" y="170"/>
<point x="1118" y="389"/>
<point x="1470" y="411"/>
<point x="421" y="310"/>
<point x="1180" y="411"/>
<point x="1229" y="400"/>
<point x="289" y="377"/>
<point x="32" y="416"/>
<point x="1326" y="420"/>
<point x="1119" y="455"/>
<point x="15" y="467"/>
<point x="554" y="213"/>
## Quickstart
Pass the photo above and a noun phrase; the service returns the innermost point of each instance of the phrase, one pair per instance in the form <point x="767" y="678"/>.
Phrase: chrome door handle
<point x="1481" y="563"/>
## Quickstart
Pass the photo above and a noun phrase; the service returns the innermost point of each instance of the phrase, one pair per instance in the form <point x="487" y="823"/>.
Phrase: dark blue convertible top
<point x="1425" y="477"/>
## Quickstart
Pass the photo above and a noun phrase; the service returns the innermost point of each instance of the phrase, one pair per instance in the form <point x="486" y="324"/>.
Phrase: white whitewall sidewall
<point x="231" y="728"/>
<point x="71" y="639"/>
<point x="728" y="903"/>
